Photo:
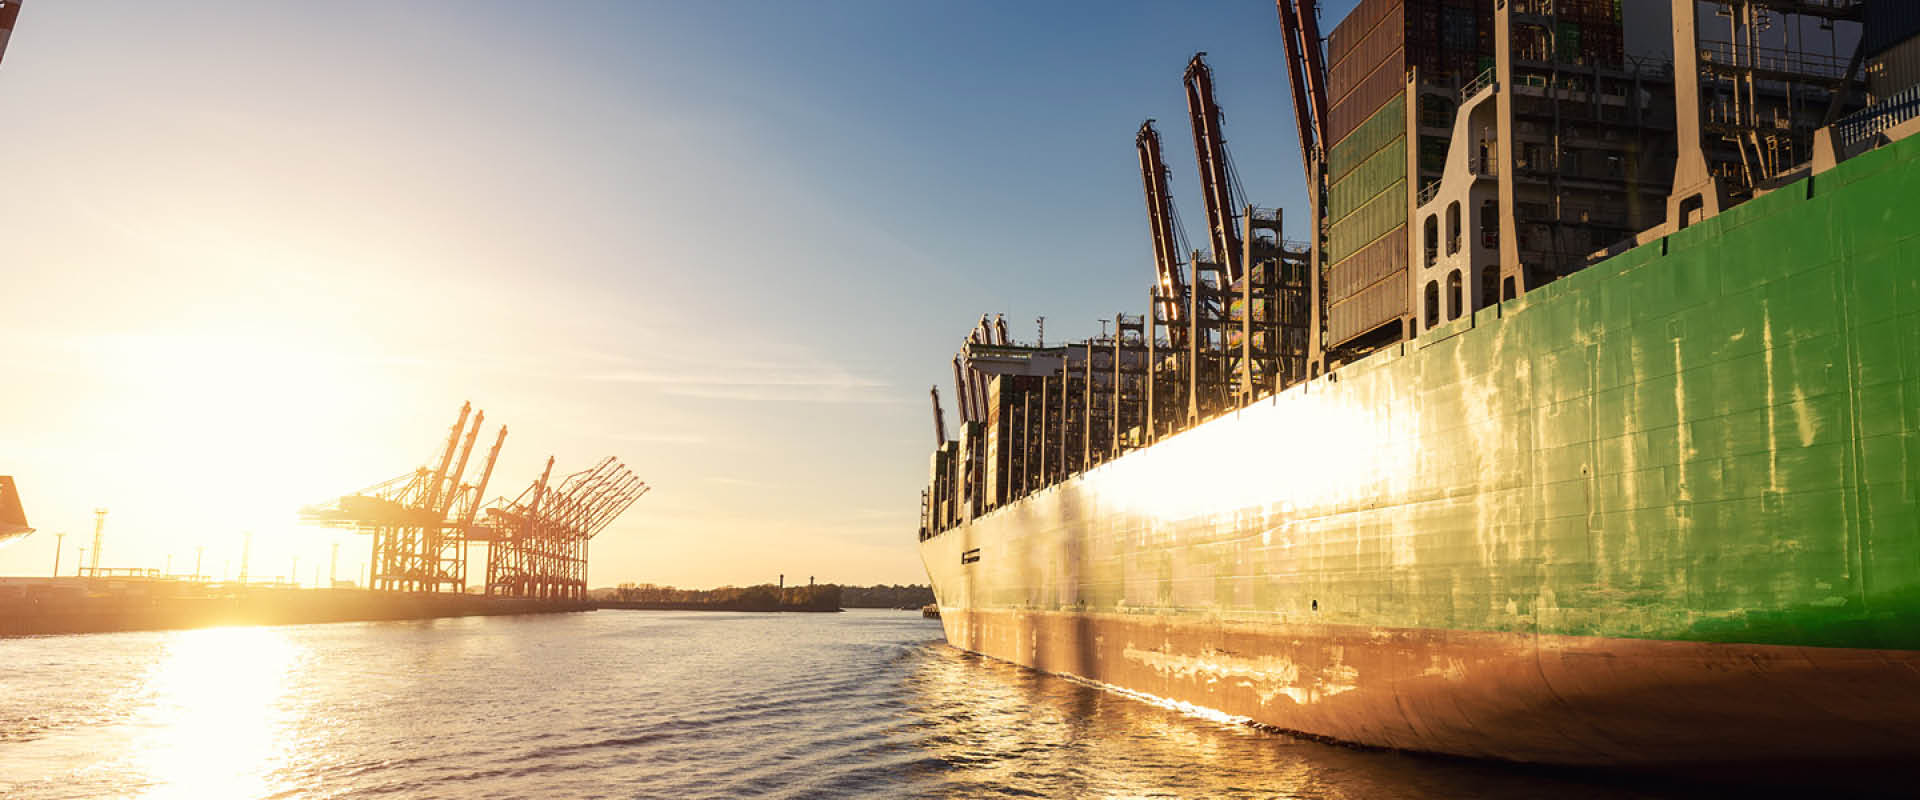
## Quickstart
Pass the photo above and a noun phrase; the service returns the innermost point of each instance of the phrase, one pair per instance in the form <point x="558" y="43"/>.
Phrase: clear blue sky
<point x="259" y="252"/>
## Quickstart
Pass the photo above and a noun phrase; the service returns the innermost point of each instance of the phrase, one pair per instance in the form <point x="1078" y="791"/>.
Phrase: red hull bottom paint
<point x="1568" y="700"/>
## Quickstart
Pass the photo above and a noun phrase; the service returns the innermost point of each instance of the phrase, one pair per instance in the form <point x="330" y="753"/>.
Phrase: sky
<point x="257" y="254"/>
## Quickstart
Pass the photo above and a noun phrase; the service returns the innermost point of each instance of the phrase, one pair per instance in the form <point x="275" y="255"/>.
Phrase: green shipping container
<point x="1385" y="212"/>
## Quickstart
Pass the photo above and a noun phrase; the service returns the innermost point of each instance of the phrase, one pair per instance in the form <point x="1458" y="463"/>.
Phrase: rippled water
<point x="640" y="704"/>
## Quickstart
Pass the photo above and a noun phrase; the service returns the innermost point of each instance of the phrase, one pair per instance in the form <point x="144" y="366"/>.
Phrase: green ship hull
<point x="1663" y="511"/>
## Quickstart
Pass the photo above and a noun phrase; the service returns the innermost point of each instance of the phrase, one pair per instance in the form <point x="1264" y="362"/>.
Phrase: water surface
<point x="643" y="704"/>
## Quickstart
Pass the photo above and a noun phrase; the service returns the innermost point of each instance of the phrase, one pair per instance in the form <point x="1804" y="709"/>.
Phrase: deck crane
<point x="1169" y="274"/>
<point x="1307" y="76"/>
<point x="1216" y="176"/>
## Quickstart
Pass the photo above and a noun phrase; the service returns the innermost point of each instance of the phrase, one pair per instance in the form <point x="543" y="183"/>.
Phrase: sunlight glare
<point x="217" y="719"/>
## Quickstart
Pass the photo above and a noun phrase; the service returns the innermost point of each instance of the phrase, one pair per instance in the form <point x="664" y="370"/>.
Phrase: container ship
<point x="1581" y="428"/>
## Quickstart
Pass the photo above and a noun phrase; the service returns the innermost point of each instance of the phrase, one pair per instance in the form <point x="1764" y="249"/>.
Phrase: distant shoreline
<point x="763" y="598"/>
<point x="647" y="606"/>
<point x="76" y="606"/>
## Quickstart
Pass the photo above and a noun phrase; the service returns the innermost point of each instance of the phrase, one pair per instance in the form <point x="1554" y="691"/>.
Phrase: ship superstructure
<point x="1587" y="413"/>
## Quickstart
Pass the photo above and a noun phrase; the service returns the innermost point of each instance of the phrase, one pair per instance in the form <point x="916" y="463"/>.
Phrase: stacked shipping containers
<point x="1369" y="53"/>
<point x="1890" y="41"/>
<point x="1581" y="32"/>
<point x="1006" y="417"/>
<point x="1579" y="151"/>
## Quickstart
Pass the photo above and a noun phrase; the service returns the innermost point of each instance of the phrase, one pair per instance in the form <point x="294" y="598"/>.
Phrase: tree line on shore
<point x="885" y="596"/>
<point x="767" y="597"/>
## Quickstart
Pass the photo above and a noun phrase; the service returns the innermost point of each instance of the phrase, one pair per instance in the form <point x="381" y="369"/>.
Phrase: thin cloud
<point x="755" y="381"/>
<point x="661" y="437"/>
<point x="731" y="481"/>
<point x="782" y="394"/>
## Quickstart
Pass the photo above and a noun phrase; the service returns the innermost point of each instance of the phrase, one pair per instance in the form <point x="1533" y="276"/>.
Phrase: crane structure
<point x="1170" y="277"/>
<point x="418" y="520"/>
<point x="1307" y="77"/>
<point x="537" y="543"/>
<point x="424" y="522"/>
<point x="9" y="12"/>
<point x="1223" y="328"/>
<point x="939" y="420"/>
<point x="13" y="518"/>
<point x="1216" y="175"/>
<point x="1307" y="82"/>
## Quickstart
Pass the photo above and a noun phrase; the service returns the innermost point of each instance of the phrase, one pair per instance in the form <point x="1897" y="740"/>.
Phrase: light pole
<point x="57" y="538"/>
<point x="82" y="559"/>
<point x="99" y="530"/>
<point x="197" y="552"/>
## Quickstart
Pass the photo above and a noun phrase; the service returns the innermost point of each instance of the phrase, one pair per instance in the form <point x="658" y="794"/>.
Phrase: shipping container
<point x="1387" y="82"/>
<point x="1357" y="25"/>
<point x="1888" y="23"/>
<point x="1376" y="49"/>
<point x="1893" y="69"/>
<point x="1386" y="211"/>
<point x="1459" y="30"/>
<point x="1378" y="131"/>
<point x="1377" y="305"/>
<point x="1374" y="262"/>
<point x="1433" y="153"/>
<point x="1374" y="176"/>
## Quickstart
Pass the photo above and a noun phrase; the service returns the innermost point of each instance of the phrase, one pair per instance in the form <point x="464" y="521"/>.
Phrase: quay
<point x="43" y="606"/>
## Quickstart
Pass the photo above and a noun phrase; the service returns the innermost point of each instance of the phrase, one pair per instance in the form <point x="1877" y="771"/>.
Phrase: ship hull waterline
<point x="1542" y="699"/>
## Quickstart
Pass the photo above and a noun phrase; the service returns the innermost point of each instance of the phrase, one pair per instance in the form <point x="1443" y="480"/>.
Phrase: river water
<point x="643" y="704"/>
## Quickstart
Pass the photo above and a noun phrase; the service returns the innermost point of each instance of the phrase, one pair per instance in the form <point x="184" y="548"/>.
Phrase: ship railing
<point x="1473" y="87"/>
<point x="1773" y="59"/>
<point x="1429" y="191"/>
<point x="1870" y="121"/>
<point x="1657" y="66"/>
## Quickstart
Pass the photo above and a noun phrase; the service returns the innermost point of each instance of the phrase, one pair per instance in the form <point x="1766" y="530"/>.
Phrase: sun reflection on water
<point x="217" y="714"/>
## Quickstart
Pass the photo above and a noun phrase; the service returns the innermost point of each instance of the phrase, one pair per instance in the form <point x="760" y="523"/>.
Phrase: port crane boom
<point x="1216" y="177"/>
<point x="939" y="420"/>
<point x="1307" y="77"/>
<point x="9" y="11"/>
<point x="1169" y="275"/>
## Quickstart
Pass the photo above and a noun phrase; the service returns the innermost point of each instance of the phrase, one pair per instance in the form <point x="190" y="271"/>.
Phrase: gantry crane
<point x="1216" y="174"/>
<point x="1307" y="77"/>
<point x="939" y="420"/>
<point x="9" y="11"/>
<point x="537" y="543"/>
<point x="419" y="520"/>
<point x="1307" y="80"/>
<point x="1170" y="278"/>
